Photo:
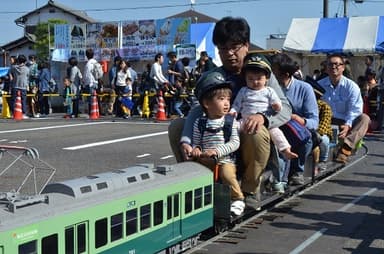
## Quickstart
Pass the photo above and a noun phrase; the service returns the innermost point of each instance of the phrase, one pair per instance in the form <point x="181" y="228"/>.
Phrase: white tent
<point x="355" y="35"/>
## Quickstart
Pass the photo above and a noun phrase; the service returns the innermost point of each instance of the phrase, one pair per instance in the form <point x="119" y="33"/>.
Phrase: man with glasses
<point x="232" y="38"/>
<point x="344" y="97"/>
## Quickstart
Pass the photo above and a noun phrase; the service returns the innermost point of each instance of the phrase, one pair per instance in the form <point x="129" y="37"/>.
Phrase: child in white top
<point x="257" y="97"/>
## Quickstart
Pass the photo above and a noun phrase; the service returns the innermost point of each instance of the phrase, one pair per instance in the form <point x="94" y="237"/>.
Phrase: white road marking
<point x="166" y="157"/>
<point x="51" y="127"/>
<point x="3" y="140"/>
<point x="114" y="141"/>
<point x="143" y="155"/>
<point x="319" y="233"/>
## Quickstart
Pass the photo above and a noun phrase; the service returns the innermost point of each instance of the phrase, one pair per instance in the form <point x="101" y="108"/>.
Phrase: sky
<point x="264" y="16"/>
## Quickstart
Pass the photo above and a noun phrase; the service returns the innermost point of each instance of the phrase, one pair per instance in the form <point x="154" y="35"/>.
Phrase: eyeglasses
<point x="330" y="64"/>
<point x="232" y="49"/>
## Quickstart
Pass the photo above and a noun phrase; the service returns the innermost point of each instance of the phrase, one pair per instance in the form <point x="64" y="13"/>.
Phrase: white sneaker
<point x="237" y="207"/>
<point x="25" y="117"/>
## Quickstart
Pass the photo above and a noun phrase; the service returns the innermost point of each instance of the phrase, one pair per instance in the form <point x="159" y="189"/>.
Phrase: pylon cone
<point x="5" y="112"/>
<point x="160" y="115"/>
<point x="94" y="114"/>
<point x="18" y="111"/>
<point x="146" y="110"/>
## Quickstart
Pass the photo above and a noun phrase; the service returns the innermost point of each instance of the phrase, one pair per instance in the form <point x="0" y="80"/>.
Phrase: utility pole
<point x="345" y="8"/>
<point x="325" y="8"/>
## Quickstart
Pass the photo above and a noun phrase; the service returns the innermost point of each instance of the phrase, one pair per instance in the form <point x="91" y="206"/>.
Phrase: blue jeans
<point x="289" y="167"/>
<point x="177" y="106"/>
<point x="297" y="165"/>
<point x="324" y="148"/>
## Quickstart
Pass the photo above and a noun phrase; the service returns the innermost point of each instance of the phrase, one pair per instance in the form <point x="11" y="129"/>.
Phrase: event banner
<point x="133" y="39"/>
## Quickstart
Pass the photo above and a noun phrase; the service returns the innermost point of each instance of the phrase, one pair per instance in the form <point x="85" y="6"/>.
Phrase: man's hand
<point x="253" y="123"/>
<point x="344" y="129"/>
<point x="298" y="119"/>
<point x="186" y="150"/>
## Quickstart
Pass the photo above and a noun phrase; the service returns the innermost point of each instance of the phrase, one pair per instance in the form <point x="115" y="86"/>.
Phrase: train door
<point x="76" y="238"/>
<point x="173" y="214"/>
<point x="1" y="250"/>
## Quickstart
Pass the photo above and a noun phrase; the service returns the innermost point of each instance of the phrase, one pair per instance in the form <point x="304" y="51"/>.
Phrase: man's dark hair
<point x="72" y="61"/>
<point x="171" y="54"/>
<point x="285" y="63"/>
<point x="89" y="53"/>
<point x="21" y="59"/>
<point x="185" y="61"/>
<point x="230" y="29"/>
<point x="157" y="56"/>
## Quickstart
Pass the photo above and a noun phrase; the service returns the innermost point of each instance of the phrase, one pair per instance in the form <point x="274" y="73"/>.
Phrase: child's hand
<point x="232" y="113"/>
<point x="276" y="106"/>
<point x="196" y="152"/>
<point x="209" y="153"/>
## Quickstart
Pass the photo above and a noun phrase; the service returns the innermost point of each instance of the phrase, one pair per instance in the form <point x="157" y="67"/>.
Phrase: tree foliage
<point x="45" y="37"/>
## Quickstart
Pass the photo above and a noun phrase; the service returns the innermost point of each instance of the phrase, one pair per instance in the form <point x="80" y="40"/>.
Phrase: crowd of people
<point x="32" y="82"/>
<point x="265" y="95"/>
<point x="175" y="79"/>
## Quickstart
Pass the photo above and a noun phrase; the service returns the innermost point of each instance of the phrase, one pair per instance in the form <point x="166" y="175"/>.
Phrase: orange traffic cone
<point x="94" y="114"/>
<point x="18" y="111"/>
<point x="160" y="115"/>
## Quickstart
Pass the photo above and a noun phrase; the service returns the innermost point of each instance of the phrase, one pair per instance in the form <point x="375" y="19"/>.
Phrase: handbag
<point x="296" y="133"/>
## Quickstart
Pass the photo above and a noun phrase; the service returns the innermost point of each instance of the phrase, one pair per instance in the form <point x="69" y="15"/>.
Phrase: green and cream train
<point x="139" y="209"/>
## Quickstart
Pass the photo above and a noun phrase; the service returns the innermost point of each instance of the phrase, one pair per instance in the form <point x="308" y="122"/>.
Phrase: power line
<point x="146" y="7"/>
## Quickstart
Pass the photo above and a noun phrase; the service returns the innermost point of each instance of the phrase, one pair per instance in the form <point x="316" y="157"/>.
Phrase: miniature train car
<point x="139" y="209"/>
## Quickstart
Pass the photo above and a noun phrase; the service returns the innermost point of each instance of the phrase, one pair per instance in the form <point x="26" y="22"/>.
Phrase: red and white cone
<point x="160" y="115"/>
<point x="18" y="111"/>
<point x="94" y="114"/>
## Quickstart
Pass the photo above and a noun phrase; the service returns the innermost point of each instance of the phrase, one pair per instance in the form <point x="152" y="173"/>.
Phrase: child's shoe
<point x="237" y="207"/>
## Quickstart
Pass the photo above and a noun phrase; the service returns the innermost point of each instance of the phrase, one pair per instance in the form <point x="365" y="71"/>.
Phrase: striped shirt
<point x="210" y="140"/>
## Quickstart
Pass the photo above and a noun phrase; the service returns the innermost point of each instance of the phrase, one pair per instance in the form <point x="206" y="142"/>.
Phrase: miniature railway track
<point x="273" y="206"/>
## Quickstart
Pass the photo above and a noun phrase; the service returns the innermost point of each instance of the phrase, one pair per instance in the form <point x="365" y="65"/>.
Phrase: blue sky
<point x="265" y="16"/>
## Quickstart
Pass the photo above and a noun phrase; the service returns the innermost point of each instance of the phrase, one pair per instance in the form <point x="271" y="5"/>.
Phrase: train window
<point x="131" y="179"/>
<point x="176" y="204"/>
<point x="173" y="206"/>
<point x="198" y="202"/>
<point x="116" y="227"/>
<point x="145" y="217"/>
<point x="207" y="195"/>
<point x="131" y="222"/>
<point x="102" y="185"/>
<point x="85" y="189"/>
<point x="69" y="240"/>
<point x="144" y="176"/>
<point x="158" y="213"/>
<point x="81" y="238"/>
<point x="188" y="202"/>
<point x="28" y="248"/>
<point x="101" y="233"/>
<point x="49" y="244"/>
<point x="169" y="207"/>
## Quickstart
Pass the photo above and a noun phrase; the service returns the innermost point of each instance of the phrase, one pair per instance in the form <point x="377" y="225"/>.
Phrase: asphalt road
<point x="342" y="214"/>
<point x="80" y="147"/>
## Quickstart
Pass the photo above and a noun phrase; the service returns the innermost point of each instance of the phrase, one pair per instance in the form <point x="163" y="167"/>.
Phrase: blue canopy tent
<point x="4" y="71"/>
<point x="355" y="35"/>
<point x="201" y="36"/>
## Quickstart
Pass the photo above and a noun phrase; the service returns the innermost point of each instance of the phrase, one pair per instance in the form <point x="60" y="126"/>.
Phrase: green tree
<point x="45" y="37"/>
